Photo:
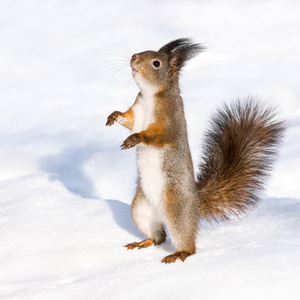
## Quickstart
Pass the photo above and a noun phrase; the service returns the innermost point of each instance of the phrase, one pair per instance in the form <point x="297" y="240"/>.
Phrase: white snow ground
<point x="66" y="188"/>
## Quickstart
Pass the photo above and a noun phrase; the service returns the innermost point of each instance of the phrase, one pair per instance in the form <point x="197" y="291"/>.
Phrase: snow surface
<point x="66" y="188"/>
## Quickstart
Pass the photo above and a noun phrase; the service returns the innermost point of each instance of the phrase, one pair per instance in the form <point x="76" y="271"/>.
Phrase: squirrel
<point x="239" y="149"/>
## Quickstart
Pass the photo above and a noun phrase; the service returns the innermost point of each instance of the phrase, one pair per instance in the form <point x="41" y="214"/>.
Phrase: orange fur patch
<point x="129" y="116"/>
<point x="155" y="135"/>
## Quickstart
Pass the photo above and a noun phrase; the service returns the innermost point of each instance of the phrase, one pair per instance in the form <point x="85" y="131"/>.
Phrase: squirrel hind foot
<point x="144" y="244"/>
<point x="181" y="254"/>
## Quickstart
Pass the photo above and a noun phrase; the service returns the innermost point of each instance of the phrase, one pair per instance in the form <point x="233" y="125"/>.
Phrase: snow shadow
<point x="122" y="216"/>
<point x="67" y="167"/>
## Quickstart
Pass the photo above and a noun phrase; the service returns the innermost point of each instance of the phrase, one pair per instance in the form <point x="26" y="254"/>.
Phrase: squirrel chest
<point x="149" y="158"/>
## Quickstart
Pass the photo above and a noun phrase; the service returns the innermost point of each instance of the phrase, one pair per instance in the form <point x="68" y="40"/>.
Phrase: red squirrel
<point x="239" y="149"/>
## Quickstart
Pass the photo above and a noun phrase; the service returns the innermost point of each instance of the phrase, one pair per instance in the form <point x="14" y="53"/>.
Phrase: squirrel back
<point x="238" y="153"/>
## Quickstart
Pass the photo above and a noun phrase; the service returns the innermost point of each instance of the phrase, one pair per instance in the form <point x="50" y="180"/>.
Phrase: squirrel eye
<point x="156" y="64"/>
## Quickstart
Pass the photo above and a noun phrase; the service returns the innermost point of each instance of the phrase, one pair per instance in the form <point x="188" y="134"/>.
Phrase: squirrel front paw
<point x="131" y="141"/>
<point x="113" y="117"/>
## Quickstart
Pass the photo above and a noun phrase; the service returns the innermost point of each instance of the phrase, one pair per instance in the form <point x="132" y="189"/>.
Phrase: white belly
<point x="143" y="114"/>
<point x="149" y="160"/>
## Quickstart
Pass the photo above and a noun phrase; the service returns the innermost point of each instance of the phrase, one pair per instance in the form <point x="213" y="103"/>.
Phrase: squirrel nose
<point x="134" y="57"/>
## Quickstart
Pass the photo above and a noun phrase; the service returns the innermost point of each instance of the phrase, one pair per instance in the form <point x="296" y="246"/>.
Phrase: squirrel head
<point x="157" y="70"/>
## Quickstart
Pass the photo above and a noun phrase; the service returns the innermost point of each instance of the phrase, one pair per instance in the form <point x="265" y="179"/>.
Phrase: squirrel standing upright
<point x="238" y="153"/>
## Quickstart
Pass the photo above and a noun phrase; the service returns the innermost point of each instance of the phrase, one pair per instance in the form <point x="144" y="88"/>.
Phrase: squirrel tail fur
<point x="238" y="154"/>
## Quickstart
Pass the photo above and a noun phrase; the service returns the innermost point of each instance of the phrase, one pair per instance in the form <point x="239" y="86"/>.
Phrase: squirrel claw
<point x="125" y="146"/>
<point x="112" y="118"/>
<point x="109" y="123"/>
<point x="140" y="245"/>
<point x="182" y="255"/>
<point x="130" y="142"/>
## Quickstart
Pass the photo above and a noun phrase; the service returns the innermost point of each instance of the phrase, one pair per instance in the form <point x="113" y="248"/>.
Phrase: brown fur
<point x="239" y="151"/>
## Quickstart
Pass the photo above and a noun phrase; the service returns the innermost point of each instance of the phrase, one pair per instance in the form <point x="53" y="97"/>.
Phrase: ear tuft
<point x="180" y="51"/>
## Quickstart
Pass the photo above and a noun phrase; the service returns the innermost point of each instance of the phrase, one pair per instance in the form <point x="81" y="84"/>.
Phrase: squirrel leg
<point x="148" y="221"/>
<point x="182" y="230"/>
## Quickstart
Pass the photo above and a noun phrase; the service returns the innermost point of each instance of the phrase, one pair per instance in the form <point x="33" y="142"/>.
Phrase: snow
<point x="66" y="188"/>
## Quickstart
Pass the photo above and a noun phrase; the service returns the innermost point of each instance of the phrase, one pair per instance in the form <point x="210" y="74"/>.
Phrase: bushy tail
<point x="238" y="153"/>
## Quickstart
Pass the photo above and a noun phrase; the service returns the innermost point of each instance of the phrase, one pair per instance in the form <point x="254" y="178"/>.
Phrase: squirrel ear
<point x="177" y="61"/>
<point x="180" y="51"/>
<point x="170" y="72"/>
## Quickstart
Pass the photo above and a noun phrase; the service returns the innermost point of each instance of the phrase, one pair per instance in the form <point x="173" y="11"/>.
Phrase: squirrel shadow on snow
<point x="67" y="167"/>
<point x="122" y="216"/>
